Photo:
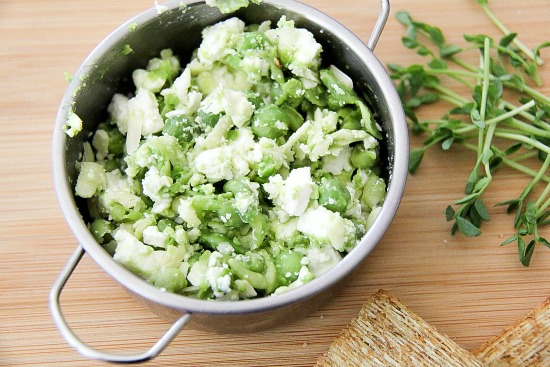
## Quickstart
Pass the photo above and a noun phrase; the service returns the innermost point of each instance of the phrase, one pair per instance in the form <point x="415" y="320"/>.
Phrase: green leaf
<point x="536" y="50"/>
<point x="437" y="64"/>
<point x="544" y="241"/>
<point x="466" y="199"/>
<point x="409" y="42"/>
<point x="429" y="97"/>
<point x="446" y="144"/>
<point x="481" y="184"/>
<point x="506" y="40"/>
<point x="474" y="217"/>
<point x="415" y="157"/>
<point x="449" y="50"/>
<point x="471" y="182"/>
<point x="454" y="228"/>
<point x="449" y="213"/>
<point x="395" y="68"/>
<point x="481" y="209"/>
<point x="512" y="149"/>
<point x="487" y="155"/>
<point x="525" y="252"/>
<point x="465" y="109"/>
<point x="435" y="34"/>
<point x="423" y="51"/>
<point x="478" y="39"/>
<point x="467" y="228"/>
<point x="483" y="2"/>
<point x="509" y="240"/>
<point x="404" y="18"/>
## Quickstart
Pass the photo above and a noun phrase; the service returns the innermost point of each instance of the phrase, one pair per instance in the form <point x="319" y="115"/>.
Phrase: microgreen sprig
<point x="502" y="132"/>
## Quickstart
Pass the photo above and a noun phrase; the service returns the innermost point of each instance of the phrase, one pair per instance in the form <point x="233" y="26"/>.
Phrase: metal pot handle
<point x="380" y="23"/>
<point x="84" y="349"/>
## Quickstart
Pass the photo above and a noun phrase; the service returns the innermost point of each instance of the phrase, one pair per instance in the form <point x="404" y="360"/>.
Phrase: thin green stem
<point x="542" y="208"/>
<point x="515" y="123"/>
<point x="451" y="100"/>
<point x="524" y="114"/>
<point x="530" y="91"/>
<point x="449" y="93"/>
<point x="510" y="162"/>
<point x="524" y="139"/>
<point x="524" y="156"/>
<point x="485" y="82"/>
<point x="526" y="50"/>
<point x="462" y="64"/>
<point x="453" y="73"/>
<point x="536" y="179"/>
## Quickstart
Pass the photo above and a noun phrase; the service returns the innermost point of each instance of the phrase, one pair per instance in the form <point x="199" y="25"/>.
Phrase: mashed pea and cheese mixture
<point x="248" y="172"/>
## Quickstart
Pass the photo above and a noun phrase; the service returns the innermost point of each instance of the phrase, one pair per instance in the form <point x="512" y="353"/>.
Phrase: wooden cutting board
<point x="469" y="289"/>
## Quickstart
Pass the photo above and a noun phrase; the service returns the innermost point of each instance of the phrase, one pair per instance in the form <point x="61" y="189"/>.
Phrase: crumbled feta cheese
<point x="101" y="143"/>
<point x="341" y="76"/>
<point x="118" y="110"/>
<point x="324" y="226"/>
<point x="336" y="164"/>
<point x="153" y="183"/>
<point x="322" y="259"/>
<point x="143" y="259"/>
<point x="188" y="214"/>
<point x="217" y="41"/>
<point x="144" y="109"/>
<point x="153" y="237"/>
<point x="293" y="194"/>
<point x="73" y="124"/>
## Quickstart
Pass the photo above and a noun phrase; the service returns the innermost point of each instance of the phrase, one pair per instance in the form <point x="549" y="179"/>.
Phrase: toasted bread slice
<point x="524" y="344"/>
<point x="387" y="333"/>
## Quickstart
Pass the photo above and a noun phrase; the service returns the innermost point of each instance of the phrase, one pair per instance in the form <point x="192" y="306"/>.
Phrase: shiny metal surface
<point x="107" y="70"/>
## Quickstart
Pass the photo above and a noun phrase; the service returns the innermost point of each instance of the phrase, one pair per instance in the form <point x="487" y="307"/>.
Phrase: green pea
<point x="350" y="118"/>
<point x="270" y="272"/>
<point x="254" y="41"/>
<point x="361" y="158"/>
<point x="236" y="186"/>
<point x="254" y="262"/>
<point x="121" y="214"/>
<point x="179" y="127"/>
<point x="116" y="141"/>
<point x="374" y="191"/>
<point x="213" y="240"/>
<point x="100" y="228"/>
<point x="317" y="95"/>
<point x="208" y="119"/>
<point x="288" y="265"/>
<point x="164" y="223"/>
<point x="334" y="195"/>
<point x="292" y="93"/>
<point x="269" y="122"/>
<point x="259" y="225"/>
<point x="338" y="90"/>
<point x="255" y="279"/>
<point x="110" y="165"/>
<point x="171" y="279"/>
<point x="295" y="120"/>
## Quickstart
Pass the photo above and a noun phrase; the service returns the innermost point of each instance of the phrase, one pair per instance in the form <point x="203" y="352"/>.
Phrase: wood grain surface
<point x="470" y="289"/>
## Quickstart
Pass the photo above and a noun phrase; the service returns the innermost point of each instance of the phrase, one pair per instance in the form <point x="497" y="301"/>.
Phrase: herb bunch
<point x="502" y="131"/>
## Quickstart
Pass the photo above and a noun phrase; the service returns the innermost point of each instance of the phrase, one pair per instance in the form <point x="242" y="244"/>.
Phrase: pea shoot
<point x="501" y="131"/>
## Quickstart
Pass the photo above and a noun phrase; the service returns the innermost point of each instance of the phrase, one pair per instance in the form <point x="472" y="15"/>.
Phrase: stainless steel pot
<point x="107" y="70"/>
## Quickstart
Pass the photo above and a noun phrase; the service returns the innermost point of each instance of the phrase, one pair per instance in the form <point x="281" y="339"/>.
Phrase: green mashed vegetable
<point x="247" y="173"/>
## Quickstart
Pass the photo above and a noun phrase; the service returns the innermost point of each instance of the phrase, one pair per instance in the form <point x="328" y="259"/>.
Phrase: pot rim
<point x="191" y="305"/>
